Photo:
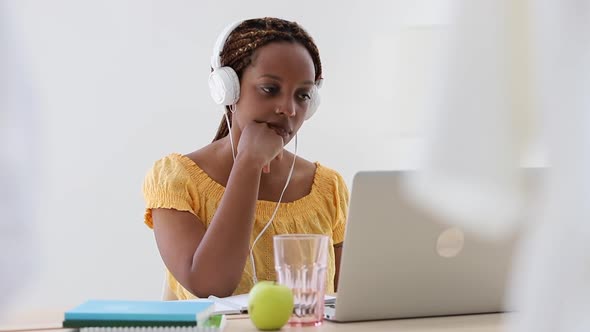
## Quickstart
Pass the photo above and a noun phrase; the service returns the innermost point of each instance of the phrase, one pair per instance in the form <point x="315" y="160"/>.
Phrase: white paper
<point x="239" y="303"/>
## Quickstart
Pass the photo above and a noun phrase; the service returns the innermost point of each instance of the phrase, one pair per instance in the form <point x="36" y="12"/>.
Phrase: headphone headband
<point x="220" y="42"/>
<point x="224" y="85"/>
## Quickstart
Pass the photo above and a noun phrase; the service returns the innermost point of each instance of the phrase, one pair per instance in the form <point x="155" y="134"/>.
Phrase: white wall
<point x="123" y="83"/>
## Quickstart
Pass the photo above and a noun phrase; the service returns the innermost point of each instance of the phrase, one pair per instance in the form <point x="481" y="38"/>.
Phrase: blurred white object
<point x="470" y="171"/>
<point x="17" y="162"/>
<point x="506" y="59"/>
<point x="553" y="277"/>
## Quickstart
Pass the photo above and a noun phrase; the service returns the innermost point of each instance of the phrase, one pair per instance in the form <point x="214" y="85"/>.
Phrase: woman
<point x="215" y="207"/>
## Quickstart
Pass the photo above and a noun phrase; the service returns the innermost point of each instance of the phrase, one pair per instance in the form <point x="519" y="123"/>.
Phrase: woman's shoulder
<point x="326" y="180"/>
<point x="171" y="159"/>
<point x="175" y="165"/>
<point x="171" y="162"/>
<point x="328" y="174"/>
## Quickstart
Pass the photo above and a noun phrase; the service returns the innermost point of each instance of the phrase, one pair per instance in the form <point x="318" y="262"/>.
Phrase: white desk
<point x="50" y="320"/>
<point x="475" y="323"/>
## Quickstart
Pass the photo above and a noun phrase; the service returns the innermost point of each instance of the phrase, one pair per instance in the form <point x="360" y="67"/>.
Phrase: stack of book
<point x="118" y="315"/>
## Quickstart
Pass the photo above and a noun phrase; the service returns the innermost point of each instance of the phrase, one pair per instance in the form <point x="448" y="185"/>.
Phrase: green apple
<point x="270" y="305"/>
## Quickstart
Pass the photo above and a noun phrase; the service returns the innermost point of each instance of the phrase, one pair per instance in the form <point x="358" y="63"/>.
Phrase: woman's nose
<point x="287" y="108"/>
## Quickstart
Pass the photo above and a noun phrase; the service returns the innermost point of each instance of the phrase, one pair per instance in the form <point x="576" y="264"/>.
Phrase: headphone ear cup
<point x="224" y="86"/>
<point x="314" y="103"/>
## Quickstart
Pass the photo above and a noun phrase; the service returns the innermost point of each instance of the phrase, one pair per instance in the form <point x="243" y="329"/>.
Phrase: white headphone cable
<point x="254" y="277"/>
<point x="231" y="140"/>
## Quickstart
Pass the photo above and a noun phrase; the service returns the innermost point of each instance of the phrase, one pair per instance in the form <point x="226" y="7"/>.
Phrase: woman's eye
<point x="269" y="89"/>
<point x="305" y="96"/>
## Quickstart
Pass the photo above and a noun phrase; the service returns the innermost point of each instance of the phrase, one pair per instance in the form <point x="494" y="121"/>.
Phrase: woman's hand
<point x="260" y="144"/>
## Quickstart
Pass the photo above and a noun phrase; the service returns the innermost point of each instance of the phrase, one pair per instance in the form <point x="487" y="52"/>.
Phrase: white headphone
<point x="224" y="84"/>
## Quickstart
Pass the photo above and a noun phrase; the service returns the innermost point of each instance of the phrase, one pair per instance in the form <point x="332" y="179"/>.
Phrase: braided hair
<point x="252" y="34"/>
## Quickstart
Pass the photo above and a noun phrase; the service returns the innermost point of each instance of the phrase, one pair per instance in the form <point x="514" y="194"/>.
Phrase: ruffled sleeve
<point x="168" y="185"/>
<point x="341" y="197"/>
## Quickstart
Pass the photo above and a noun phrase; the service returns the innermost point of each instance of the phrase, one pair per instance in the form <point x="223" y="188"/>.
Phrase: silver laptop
<point x="399" y="261"/>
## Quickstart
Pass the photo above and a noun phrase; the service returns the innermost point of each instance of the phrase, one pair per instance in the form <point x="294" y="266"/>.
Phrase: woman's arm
<point x="337" y="257"/>
<point x="211" y="261"/>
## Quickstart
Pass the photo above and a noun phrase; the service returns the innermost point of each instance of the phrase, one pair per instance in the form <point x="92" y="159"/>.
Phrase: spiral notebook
<point x="118" y="315"/>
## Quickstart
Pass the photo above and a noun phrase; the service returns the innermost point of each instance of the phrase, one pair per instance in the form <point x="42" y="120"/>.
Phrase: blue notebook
<point x="117" y="313"/>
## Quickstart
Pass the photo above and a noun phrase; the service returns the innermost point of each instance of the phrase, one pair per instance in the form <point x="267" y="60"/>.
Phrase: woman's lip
<point x="279" y="130"/>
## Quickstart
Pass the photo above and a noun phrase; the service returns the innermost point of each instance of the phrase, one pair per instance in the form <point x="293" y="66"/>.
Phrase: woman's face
<point x="276" y="88"/>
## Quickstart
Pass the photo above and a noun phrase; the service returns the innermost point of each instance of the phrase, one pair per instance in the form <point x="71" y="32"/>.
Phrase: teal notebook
<point x="118" y="313"/>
